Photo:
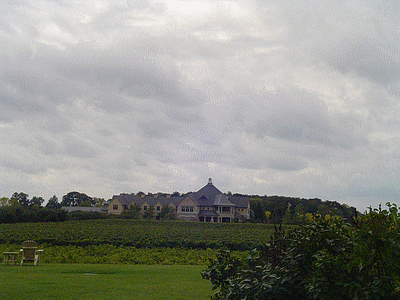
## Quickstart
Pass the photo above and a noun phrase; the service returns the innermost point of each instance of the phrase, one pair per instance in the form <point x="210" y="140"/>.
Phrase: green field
<point x="87" y="281"/>
<point x="139" y="234"/>
<point x="121" y="259"/>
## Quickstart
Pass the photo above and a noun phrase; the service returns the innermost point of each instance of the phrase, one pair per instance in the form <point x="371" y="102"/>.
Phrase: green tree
<point x="53" y="202"/>
<point x="76" y="198"/>
<point x="132" y="213"/>
<point x="148" y="213"/>
<point x="21" y="198"/>
<point x="167" y="213"/>
<point x="258" y="211"/>
<point x="308" y="217"/>
<point x="288" y="216"/>
<point x="85" y="203"/>
<point x="298" y="214"/>
<point x="267" y="215"/>
<point x="36" y="202"/>
<point x="98" y="202"/>
<point x="4" y="201"/>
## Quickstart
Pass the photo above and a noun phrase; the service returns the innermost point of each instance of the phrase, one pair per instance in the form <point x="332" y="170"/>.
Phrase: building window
<point x="158" y="208"/>
<point x="226" y="209"/>
<point x="145" y="207"/>
<point x="115" y="207"/>
<point x="187" y="209"/>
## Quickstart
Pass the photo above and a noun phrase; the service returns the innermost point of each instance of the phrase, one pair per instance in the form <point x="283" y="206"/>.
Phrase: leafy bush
<point x="19" y="214"/>
<point x="326" y="259"/>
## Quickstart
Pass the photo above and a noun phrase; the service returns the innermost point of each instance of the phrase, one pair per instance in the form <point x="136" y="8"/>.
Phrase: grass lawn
<point x="85" y="281"/>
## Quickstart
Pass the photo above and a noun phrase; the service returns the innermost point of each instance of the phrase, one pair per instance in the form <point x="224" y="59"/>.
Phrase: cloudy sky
<point x="293" y="98"/>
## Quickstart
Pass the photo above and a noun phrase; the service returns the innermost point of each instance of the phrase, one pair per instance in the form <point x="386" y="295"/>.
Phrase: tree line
<point x="20" y="208"/>
<point x="290" y="210"/>
<point x="264" y="209"/>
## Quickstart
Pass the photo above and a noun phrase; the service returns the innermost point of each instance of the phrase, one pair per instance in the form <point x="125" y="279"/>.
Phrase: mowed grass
<point x="85" y="281"/>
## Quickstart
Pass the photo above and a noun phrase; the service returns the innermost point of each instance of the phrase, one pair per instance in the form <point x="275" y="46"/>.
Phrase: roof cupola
<point x="209" y="181"/>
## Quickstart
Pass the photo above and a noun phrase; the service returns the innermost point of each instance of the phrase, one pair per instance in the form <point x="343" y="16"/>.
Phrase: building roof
<point x="240" y="201"/>
<point x="208" y="195"/>
<point x="128" y="199"/>
<point x="208" y="213"/>
<point x="222" y="200"/>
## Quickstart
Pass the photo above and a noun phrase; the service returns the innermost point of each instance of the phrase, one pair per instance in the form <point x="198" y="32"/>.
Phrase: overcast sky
<point x="292" y="98"/>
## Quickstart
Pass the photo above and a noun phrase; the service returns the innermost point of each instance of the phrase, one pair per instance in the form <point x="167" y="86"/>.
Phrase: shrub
<point x="326" y="259"/>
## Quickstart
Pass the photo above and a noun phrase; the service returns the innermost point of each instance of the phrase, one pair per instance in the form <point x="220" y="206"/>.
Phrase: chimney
<point x="209" y="181"/>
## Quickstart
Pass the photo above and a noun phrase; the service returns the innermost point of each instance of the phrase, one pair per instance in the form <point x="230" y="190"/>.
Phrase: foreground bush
<point x="327" y="259"/>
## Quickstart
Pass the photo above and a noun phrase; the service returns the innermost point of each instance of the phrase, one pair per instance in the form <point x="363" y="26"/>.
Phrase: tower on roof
<point x="209" y="181"/>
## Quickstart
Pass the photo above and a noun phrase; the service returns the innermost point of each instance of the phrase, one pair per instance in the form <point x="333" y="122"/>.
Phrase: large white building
<point x="208" y="204"/>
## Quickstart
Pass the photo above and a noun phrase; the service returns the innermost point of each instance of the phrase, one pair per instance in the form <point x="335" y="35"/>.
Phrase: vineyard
<point x="139" y="234"/>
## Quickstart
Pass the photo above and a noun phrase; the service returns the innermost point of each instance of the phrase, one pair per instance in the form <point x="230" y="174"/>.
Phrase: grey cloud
<point x="275" y="163"/>
<point x="382" y="192"/>
<point x="271" y="154"/>
<point x="18" y="163"/>
<point x="298" y="97"/>
<point x="128" y="72"/>
<point x="287" y="164"/>
<point x="186" y="115"/>
<point x="156" y="129"/>
<point x="47" y="146"/>
<point x="125" y="76"/>
<point x="299" y="116"/>
<point x="140" y="161"/>
<point x="55" y="124"/>
<point x="351" y="37"/>
<point x="76" y="147"/>
<point x="106" y="132"/>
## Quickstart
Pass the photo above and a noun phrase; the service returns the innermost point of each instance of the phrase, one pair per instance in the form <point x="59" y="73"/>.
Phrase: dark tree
<point x="167" y="213"/>
<point x="148" y="213"/>
<point x="76" y="198"/>
<point x="22" y="198"/>
<point x="132" y="213"/>
<point x="98" y="202"/>
<point x="53" y="202"/>
<point x="36" y="202"/>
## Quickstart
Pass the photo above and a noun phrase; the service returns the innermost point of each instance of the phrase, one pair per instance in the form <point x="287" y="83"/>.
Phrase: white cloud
<point x="105" y="97"/>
